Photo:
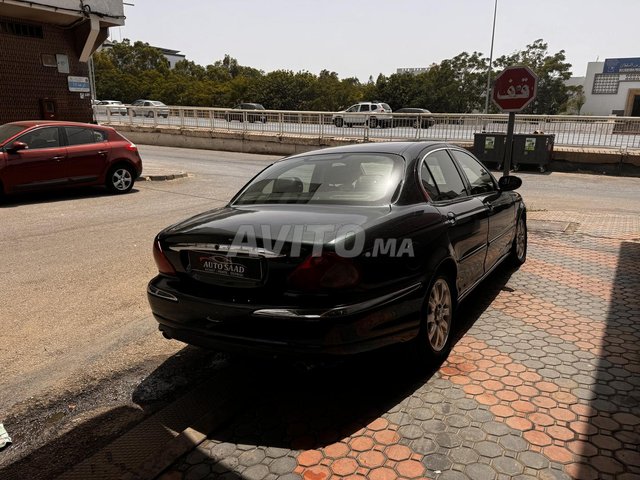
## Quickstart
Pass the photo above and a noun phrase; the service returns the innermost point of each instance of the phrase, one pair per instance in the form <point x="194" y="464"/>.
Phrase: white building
<point x="172" y="56"/>
<point x="612" y="87"/>
<point x="413" y="70"/>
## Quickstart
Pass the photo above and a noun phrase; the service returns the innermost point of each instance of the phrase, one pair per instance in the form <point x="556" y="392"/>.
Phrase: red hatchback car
<point x="36" y="155"/>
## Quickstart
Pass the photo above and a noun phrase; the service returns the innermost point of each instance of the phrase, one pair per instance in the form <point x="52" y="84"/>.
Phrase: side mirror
<point x="16" y="147"/>
<point x="509" y="183"/>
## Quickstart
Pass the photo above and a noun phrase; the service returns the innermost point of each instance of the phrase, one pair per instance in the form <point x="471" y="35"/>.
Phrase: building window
<point x="605" y="84"/>
<point x="21" y="29"/>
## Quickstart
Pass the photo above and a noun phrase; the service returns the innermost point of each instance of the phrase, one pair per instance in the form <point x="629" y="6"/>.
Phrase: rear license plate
<point x="224" y="266"/>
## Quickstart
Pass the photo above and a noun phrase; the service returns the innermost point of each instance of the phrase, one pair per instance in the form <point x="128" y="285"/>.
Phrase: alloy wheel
<point x="439" y="315"/>
<point x="521" y="239"/>
<point x="121" y="179"/>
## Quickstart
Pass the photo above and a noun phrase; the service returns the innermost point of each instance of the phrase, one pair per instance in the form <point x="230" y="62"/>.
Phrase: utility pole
<point x="493" y="33"/>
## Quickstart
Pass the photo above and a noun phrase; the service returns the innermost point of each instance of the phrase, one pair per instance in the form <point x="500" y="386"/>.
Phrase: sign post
<point x="514" y="88"/>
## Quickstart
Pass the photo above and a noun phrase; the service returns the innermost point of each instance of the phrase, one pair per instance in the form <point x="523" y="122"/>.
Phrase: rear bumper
<point x="286" y="330"/>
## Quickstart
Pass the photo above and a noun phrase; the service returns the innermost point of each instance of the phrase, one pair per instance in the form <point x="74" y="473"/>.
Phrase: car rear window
<point x="8" y="130"/>
<point x="368" y="179"/>
<point x="385" y="106"/>
<point x="157" y="104"/>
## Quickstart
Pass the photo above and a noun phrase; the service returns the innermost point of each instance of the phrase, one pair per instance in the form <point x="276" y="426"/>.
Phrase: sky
<point x="362" y="38"/>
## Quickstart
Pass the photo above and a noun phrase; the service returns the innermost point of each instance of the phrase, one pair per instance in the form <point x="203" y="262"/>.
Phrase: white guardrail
<point x="570" y="130"/>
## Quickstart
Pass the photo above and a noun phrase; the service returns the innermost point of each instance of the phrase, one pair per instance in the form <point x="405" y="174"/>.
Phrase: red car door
<point x="87" y="154"/>
<point x="40" y="164"/>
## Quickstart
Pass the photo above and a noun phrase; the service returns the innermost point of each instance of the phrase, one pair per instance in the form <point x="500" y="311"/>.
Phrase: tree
<point x="576" y="100"/>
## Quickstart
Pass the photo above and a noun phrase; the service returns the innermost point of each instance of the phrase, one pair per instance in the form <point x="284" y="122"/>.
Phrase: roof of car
<point x="35" y="123"/>
<point x="409" y="148"/>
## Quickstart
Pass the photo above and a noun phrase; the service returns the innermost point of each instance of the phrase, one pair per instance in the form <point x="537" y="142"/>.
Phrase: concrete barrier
<point x="567" y="159"/>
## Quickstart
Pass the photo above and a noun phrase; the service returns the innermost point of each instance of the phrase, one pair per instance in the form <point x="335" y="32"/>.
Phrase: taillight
<point x="162" y="262"/>
<point x="132" y="147"/>
<point x="328" y="271"/>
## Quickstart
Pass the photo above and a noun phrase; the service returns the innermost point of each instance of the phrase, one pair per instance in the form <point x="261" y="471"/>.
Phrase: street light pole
<point x="493" y="34"/>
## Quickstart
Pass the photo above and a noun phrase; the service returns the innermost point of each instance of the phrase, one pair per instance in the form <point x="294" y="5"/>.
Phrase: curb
<point x="160" y="178"/>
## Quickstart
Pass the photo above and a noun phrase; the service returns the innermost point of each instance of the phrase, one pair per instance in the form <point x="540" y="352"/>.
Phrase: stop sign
<point x="514" y="88"/>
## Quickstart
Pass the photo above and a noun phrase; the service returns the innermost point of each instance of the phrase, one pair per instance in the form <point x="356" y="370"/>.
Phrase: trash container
<point x="489" y="147"/>
<point x="532" y="149"/>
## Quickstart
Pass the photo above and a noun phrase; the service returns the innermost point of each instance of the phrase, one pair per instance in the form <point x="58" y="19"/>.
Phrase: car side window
<point x="41" y="138"/>
<point x="79" y="136"/>
<point x="364" y="108"/>
<point x="443" y="171"/>
<point x="99" y="136"/>
<point x="478" y="176"/>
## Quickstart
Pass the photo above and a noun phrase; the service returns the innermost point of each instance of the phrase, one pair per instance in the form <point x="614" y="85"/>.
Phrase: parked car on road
<point x="37" y="155"/>
<point x="421" y="119"/>
<point x="340" y="251"/>
<point x="246" y="109"/>
<point x="149" y="108"/>
<point x="372" y="114"/>
<point x="111" y="107"/>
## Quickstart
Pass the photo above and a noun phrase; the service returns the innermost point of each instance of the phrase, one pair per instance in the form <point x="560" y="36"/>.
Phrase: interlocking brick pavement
<point x="543" y="383"/>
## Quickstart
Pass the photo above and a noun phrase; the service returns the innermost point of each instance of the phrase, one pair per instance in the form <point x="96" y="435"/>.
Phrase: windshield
<point x="369" y="179"/>
<point x="8" y="130"/>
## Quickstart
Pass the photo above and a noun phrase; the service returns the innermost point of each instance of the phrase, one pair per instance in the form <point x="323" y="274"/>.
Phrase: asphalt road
<point x="77" y="332"/>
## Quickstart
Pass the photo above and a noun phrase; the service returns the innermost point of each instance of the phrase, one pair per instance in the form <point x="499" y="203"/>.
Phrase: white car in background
<point x="149" y="108"/>
<point x="372" y="114"/>
<point x="111" y="107"/>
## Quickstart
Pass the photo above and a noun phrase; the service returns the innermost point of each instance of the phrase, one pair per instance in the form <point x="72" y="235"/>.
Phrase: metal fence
<point x="569" y="130"/>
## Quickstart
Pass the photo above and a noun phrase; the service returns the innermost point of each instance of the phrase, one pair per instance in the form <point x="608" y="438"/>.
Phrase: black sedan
<point x="420" y="118"/>
<point x="340" y="251"/>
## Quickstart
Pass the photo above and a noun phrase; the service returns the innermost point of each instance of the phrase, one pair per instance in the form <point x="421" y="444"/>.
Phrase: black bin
<point x="532" y="149"/>
<point x="489" y="147"/>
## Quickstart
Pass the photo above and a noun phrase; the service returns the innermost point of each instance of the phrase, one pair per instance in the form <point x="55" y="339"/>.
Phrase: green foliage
<point x="456" y="85"/>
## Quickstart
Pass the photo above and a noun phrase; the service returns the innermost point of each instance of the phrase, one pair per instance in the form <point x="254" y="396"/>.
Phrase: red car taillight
<point x="162" y="262"/>
<point x="132" y="147"/>
<point x="328" y="271"/>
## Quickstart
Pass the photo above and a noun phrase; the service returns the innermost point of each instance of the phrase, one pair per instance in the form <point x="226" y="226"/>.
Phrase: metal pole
<point x="493" y="34"/>
<point x="508" y="147"/>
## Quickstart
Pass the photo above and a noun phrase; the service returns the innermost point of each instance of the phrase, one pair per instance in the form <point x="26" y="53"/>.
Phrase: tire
<point x="373" y="123"/>
<point x="338" y="122"/>
<point x="433" y="343"/>
<point x="133" y="113"/>
<point x="515" y="167"/>
<point x="120" y="179"/>
<point x="151" y="114"/>
<point x="263" y="119"/>
<point x="417" y="124"/>
<point x="518" y="253"/>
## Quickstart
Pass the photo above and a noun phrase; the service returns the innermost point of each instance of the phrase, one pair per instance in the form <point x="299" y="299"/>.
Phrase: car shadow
<point x="614" y="402"/>
<point x="280" y="403"/>
<point x="35" y="198"/>
<point x="65" y="434"/>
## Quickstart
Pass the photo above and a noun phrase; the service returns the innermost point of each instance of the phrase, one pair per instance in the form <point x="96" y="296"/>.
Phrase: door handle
<point x="58" y="158"/>
<point x="103" y="152"/>
<point x="451" y="219"/>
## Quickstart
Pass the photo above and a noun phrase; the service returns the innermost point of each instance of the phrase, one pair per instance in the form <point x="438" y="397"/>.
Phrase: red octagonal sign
<point x="514" y="88"/>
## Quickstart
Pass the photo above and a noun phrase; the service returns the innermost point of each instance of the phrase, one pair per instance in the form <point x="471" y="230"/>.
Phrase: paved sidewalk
<point x="544" y="384"/>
